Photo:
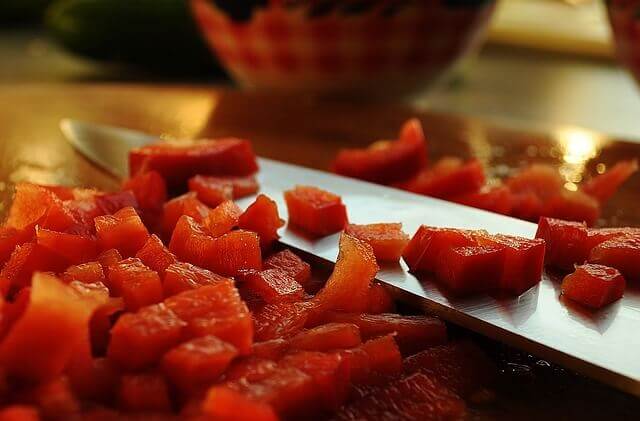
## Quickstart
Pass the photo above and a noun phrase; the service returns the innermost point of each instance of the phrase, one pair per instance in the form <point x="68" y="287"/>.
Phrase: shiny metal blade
<point x="602" y="344"/>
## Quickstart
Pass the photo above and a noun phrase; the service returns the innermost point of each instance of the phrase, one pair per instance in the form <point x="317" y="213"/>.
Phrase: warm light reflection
<point x="481" y="149"/>
<point x="577" y="148"/>
<point x="191" y="117"/>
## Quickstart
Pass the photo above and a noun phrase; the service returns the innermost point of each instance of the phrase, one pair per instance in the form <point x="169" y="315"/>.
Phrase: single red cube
<point x="24" y="262"/>
<point x="108" y="258"/>
<point x="290" y="263"/>
<point x="189" y="241"/>
<point x="572" y="206"/>
<point x="187" y="204"/>
<point x="33" y="204"/>
<point x="466" y="270"/>
<point x="241" y="186"/>
<point x="138" y="285"/>
<point x="375" y="360"/>
<point x="596" y="236"/>
<point x="225" y="403"/>
<point x="222" y="219"/>
<point x="272" y="285"/>
<point x="622" y="253"/>
<point x="527" y="205"/>
<point x="198" y="362"/>
<point x="178" y="161"/>
<point x="565" y="242"/>
<point x="110" y="203"/>
<point x="541" y="180"/>
<point x="279" y="320"/>
<point x="149" y="189"/>
<point x="181" y="276"/>
<point x="423" y="251"/>
<point x="211" y="194"/>
<point x="498" y="199"/>
<point x="523" y="261"/>
<point x="603" y="186"/>
<point x="379" y="300"/>
<point x="447" y="178"/>
<point x="327" y="337"/>
<point x="593" y="285"/>
<point x="155" y="255"/>
<point x="315" y="211"/>
<point x="75" y="249"/>
<point x="138" y="340"/>
<point x="233" y="252"/>
<point x="144" y="392"/>
<point x="215" y="310"/>
<point x="123" y="231"/>
<point x="348" y="286"/>
<point x="88" y="273"/>
<point x="10" y="238"/>
<point x="386" y="161"/>
<point x="387" y="240"/>
<point x="262" y="218"/>
<point x="412" y="333"/>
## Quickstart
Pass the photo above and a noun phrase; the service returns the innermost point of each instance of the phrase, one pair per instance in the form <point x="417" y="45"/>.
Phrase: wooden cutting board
<point x="307" y="132"/>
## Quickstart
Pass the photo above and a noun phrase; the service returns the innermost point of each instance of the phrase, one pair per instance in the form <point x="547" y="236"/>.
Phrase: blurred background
<point x="532" y="63"/>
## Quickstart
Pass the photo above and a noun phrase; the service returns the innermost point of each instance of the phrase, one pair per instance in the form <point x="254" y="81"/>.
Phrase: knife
<point x="603" y="345"/>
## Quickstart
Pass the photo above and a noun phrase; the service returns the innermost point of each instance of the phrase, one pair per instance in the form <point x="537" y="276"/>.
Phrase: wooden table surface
<point x="307" y="132"/>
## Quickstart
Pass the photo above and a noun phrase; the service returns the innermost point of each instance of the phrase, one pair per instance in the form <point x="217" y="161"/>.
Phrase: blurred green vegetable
<point x="18" y="11"/>
<point x="156" y="34"/>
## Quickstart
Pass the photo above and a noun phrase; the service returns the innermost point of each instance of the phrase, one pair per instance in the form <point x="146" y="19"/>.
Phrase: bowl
<point x="353" y="48"/>
<point x="624" y="16"/>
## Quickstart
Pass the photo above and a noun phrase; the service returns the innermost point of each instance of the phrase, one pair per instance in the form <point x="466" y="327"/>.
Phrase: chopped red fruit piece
<point x="413" y="333"/>
<point x="423" y="251"/>
<point x="449" y="177"/>
<point x="108" y="258"/>
<point x="459" y="366"/>
<point x="138" y="340"/>
<point x="596" y="236"/>
<point x="88" y="273"/>
<point x="144" y="392"/>
<point x="224" y="403"/>
<point x="178" y="161"/>
<point x="74" y="249"/>
<point x="379" y="299"/>
<point x="211" y="194"/>
<point x="214" y="190"/>
<point x="123" y="231"/>
<point x="387" y="240"/>
<point x="593" y="285"/>
<point x="54" y="319"/>
<point x="497" y="199"/>
<point x="222" y="219"/>
<point x="226" y="255"/>
<point x="262" y="218"/>
<point x="386" y="161"/>
<point x="215" y="310"/>
<point x="347" y="287"/>
<point x="21" y="413"/>
<point x="541" y="180"/>
<point x="315" y="211"/>
<point x="187" y="204"/>
<point x="198" y="362"/>
<point x="413" y="397"/>
<point x="110" y="203"/>
<point x="155" y="255"/>
<point x="622" y="253"/>
<point x="10" y="238"/>
<point x="527" y="206"/>
<point x="572" y="206"/>
<point x="279" y="320"/>
<point x="330" y="374"/>
<point x="149" y="189"/>
<point x="138" y="285"/>
<point x="184" y="276"/>
<point x="603" y="186"/>
<point x="523" y="261"/>
<point x="291" y="264"/>
<point x="272" y="349"/>
<point x="565" y="242"/>
<point x="472" y="269"/>
<point x="374" y="361"/>
<point x="33" y="204"/>
<point x="327" y="337"/>
<point x="251" y="369"/>
<point x="272" y="285"/>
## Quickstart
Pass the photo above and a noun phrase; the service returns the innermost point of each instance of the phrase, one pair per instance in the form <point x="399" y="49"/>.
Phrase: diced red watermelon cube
<point x="447" y="178"/>
<point x="272" y="285"/>
<point x="224" y="403"/>
<point x="155" y="255"/>
<point x="184" y="276"/>
<point x="387" y="240"/>
<point x="291" y="264"/>
<point x="222" y="219"/>
<point x="498" y="199"/>
<point x="214" y="190"/>
<point x="315" y="211"/>
<point x="327" y="337"/>
<point x="138" y="285"/>
<point x="572" y="206"/>
<point x="541" y="180"/>
<point x="379" y="300"/>
<point x="33" y="204"/>
<point x="74" y="249"/>
<point x="123" y="231"/>
<point x="198" y="362"/>
<point x="471" y="269"/>
<point x="565" y="242"/>
<point x="262" y="218"/>
<point x="251" y="369"/>
<point x="138" y="340"/>
<point x="10" y="238"/>
<point x="374" y="361"/>
<point x="178" y="161"/>
<point x="279" y="320"/>
<point x="423" y="251"/>
<point x="24" y="261"/>
<point x="593" y="285"/>
<point x="88" y="273"/>
<point x="622" y="253"/>
<point x="187" y="204"/>
<point x="596" y="236"/>
<point x="144" y="392"/>
<point x="149" y="189"/>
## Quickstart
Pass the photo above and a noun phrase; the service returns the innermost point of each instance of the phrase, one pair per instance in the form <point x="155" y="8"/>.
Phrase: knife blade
<point x="602" y="345"/>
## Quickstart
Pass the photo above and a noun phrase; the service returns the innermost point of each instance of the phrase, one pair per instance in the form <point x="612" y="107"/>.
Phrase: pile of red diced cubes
<point x="131" y="304"/>
<point x="134" y="304"/>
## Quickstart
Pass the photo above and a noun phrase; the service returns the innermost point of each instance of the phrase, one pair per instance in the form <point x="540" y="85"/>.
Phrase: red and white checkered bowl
<point x="287" y="49"/>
